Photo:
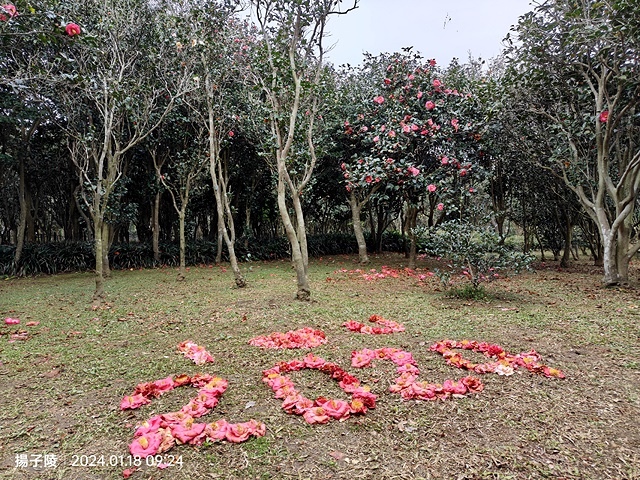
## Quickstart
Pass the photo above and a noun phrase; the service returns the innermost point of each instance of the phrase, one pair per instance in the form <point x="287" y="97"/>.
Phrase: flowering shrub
<point x="504" y="363"/>
<point x="407" y="384"/>
<point x="474" y="252"/>
<point x="388" y="326"/>
<point x="195" y="352"/>
<point x="303" y="338"/>
<point x="320" y="410"/>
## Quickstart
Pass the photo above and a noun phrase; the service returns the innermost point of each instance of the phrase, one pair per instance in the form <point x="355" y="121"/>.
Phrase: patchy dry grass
<point x="61" y="388"/>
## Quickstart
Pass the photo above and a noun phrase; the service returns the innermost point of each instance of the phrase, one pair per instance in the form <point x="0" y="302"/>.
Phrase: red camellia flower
<point x="387" y="81"/>
<point x="368" y="179"/>
<point x="463" y="172"/>
<point x="72" y="29"/>
<point x="604" y="116"/>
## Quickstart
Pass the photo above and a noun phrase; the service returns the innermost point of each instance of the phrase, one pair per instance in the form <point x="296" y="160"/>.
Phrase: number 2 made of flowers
<point x="161" y="432"/>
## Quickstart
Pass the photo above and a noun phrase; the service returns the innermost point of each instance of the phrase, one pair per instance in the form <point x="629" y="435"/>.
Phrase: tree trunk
<point x="412" y="217"/>
<point x="106" y="244"/>
<point x="568" y="236"/>
<point x="23" y="216"/>
<point x="357" y="228"/>
<point x="156" y="228"/>
<point x="220" y="234"/>
<point x="182" y="271"/>
<point x="304" y="290"/>
<point x="98" y="295"/>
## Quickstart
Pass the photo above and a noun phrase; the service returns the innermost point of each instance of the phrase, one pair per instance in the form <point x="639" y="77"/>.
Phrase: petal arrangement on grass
<point x="304" y="338"/>
<point x="161" y="432"/>
<point x="320" y="410"/>
<point x="385" y="272"/>
<point x="407" y="384"/>
<point x="388" y="326"/>
<point x="504" y="364"/>
<point x="195" y="352"/>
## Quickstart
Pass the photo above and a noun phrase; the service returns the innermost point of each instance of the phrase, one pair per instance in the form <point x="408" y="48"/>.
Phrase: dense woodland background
<point x="175" y="133"/>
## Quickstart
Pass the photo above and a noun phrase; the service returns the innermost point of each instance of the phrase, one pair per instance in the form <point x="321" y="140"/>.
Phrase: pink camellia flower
<point x="440" y="206"/>
<point x="316" y="415"/>
<point x="259" y="428"/>
<point x="358" y="406"/>
<point x="473" y="384"/>
<point x="604" y="116"/>
<point x="72" y="29"/>
<point x="343" y="166"/>
<point x="444" y="161"/>
<point x="411" y="76"/>
<point x="406" y="128"/>
<point x="392" y="134"/>
<point x="432" y="188"/>
<point x="360" y="360"/>
<point x="150" y="426"/>
<point x="197" y="407"/>
<point x="165" y="384"/>
<point x="10" y="9"/>
<point x="145" y="445"/>
<point x="419" y="95"/>
<point x="454" y="124"/>
<point x="429" y="105"/>
<point x="11" y="321"/>
<point x="346" y="175"/>
<point x="413" y="171"/>
<point x="379" y="99"/>
<point x="133" y="401"/>
<point x="376" y="139"/>
<point x="239" y="432"/>
<point x="215" y="386"/>
<point x="432" y="62"/>
<point x="414" y="127"/>
<point x="336" y="408"/>
<point x="231" y="133"/>
<point x="368" y="179"/>
<point x="217" y="430"/>
<point x="313" y="361"/>
<point x="289" y="403"/>
<point x="187" y="431"/>
<point x="437" y="83"/>
<point x="285" y="391"/>
<point x="383" y="128"/>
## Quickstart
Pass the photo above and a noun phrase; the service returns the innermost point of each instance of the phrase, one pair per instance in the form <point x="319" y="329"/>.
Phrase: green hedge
<point x="50" y="258"/>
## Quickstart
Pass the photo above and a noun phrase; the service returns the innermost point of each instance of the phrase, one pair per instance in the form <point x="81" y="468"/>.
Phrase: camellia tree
<point x="290" y="70"/>
<point x="413" y="138"/>
<point x="576" y="68"/>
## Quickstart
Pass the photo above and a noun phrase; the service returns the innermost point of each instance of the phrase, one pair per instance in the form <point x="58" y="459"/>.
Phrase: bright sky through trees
<point x="440" y="30"/>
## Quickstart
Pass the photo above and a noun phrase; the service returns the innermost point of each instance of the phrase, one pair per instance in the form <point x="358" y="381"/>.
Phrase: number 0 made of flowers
<point x="320" y="410"/>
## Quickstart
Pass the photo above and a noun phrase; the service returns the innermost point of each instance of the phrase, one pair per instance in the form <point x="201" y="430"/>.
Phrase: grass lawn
<point x="60" y="389"/>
